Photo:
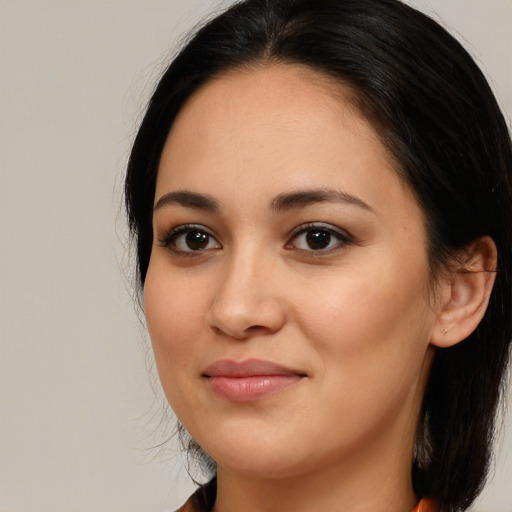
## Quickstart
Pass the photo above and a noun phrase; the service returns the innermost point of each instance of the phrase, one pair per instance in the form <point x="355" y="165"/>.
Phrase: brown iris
<point x="318" y="239"/>
<point x="197" y="240"/>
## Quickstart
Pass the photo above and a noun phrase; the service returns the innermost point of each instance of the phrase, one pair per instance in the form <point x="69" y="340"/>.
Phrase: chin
<point x="264" y="456"/>
<point x="260" y="465"/>
<point x="252" y="454"/>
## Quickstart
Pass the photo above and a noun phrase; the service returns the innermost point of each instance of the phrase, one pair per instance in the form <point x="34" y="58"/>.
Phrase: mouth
<point x="249" y="380"/>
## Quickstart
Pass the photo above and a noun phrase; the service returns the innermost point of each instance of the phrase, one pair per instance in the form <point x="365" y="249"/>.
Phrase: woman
<point x="320" y="194"/>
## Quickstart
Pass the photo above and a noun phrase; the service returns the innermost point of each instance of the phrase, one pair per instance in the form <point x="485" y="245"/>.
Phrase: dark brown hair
<point x="437" y="115"/>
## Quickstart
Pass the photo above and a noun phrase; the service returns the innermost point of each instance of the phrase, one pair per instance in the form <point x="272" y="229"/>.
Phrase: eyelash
<point x="169" y="239"/>
<point x="341" y="236"/>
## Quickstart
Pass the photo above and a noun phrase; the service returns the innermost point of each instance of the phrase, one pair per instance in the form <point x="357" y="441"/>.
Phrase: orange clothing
<point x="425" y="505"/>
<point x="204" y="498"/>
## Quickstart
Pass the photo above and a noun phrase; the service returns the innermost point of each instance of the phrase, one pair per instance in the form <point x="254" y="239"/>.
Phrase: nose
<point x="247" y="301"/>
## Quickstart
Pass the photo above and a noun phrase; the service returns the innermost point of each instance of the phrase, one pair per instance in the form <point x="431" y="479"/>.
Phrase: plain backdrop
<point x="78" y="417"/>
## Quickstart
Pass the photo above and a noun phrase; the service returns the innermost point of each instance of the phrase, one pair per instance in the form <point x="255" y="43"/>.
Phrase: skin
<point x="355" y="319"/>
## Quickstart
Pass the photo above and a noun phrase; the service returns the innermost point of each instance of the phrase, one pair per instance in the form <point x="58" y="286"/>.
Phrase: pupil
<point x="318" y="239"/>
<point x="197" y="240"/>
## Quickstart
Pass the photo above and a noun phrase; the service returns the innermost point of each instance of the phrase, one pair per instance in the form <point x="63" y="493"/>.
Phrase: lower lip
<point x="248" y="389"/>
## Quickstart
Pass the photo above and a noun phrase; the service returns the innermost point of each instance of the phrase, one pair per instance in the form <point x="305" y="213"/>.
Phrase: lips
<point x="249" y="380"/>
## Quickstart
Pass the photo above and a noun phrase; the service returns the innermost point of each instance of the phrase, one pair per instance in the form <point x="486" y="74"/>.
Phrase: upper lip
<point x="247" y="368"/>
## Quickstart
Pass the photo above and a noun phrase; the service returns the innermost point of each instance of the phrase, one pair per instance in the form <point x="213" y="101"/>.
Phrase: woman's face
<point x="288" y="295"/>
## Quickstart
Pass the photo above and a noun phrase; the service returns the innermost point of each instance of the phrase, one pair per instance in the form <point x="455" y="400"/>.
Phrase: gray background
<point x="77" y="414"/>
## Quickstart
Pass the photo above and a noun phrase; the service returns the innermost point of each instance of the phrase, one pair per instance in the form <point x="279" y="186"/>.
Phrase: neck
<point x="370" y="481"/>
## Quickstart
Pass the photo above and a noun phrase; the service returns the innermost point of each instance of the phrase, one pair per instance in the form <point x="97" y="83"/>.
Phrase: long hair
<point x="436" y="114"/>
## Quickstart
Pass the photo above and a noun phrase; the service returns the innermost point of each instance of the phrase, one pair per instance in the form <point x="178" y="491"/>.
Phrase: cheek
<point x="371" y="323"/>
<point x="175" y="315"/>
<point x="174" y="304"/>
<point x="371" y="342"/>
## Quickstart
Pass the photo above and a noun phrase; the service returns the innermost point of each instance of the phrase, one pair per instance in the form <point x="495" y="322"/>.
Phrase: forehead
<point x="271" y="129"/>
<point x="279" y="98"/>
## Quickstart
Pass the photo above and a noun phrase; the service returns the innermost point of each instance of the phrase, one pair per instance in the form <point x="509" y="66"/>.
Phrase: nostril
<point x="229" y="332"/>
<point x="216" y="330"/>
<point x="243" y="315"/>
<point x="257" y="329"/>
<point x="248" y="332"/>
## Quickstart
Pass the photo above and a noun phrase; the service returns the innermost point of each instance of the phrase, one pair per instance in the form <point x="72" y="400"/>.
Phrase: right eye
<point x="189" y="239"/>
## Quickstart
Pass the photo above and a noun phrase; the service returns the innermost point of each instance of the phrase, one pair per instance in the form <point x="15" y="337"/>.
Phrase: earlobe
<point x="464" y="294"/>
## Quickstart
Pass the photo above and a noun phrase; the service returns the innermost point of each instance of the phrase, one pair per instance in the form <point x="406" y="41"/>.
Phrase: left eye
<point x="317" y="238"/>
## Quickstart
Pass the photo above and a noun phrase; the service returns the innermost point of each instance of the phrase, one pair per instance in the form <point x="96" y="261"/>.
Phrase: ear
<point x="464" y="292"/>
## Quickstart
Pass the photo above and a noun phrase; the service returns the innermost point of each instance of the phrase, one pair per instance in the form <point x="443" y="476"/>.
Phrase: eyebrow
<point x="302" y="198"/>
<point x="282" y="203"/>
<point x="189" y="200"/>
